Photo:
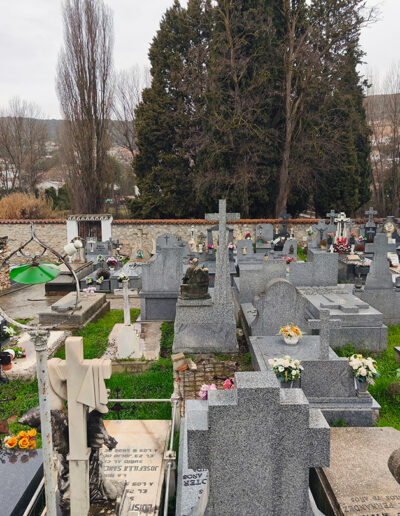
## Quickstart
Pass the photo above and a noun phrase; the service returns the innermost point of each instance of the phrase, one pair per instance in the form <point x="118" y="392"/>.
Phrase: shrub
<point x="103" y="273"/>
<point x="25" y="206"/>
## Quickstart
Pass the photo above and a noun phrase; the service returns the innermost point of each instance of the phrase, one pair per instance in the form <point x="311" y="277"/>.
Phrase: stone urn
<point x="291" y="341"/>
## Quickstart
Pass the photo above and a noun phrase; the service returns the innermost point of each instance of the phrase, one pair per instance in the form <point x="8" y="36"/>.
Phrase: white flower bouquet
<point x="9" y="331"/>
<point x="286" y="368"/>
<point x="364" y="369"/>
<point x="290" y="330"/>
<point x="122" y="277"/>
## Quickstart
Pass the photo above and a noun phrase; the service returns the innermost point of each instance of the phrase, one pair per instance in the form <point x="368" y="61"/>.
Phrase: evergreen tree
<point x="168" y="115"/>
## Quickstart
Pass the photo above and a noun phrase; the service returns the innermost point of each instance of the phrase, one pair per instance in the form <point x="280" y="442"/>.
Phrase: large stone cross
<point x="81" y="383"/>
<point x="371" y="212"/>
<point x="324" y="324"/>
<point x="222" y="275"/>
<point x="248" y="439"/>
<point x="379" y="275"/>
<point x="332" y="216"/>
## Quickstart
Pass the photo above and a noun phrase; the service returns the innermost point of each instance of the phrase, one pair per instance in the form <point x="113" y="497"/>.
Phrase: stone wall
<point x="4" y="272"/>
<point x="133" y="234"/>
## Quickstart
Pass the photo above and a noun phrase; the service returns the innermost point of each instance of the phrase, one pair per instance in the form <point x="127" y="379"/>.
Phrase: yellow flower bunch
<point x="24" y="440"/>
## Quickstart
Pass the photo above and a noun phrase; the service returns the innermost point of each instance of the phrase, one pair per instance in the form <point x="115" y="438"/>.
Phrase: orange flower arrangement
<point x="23" y="439"/>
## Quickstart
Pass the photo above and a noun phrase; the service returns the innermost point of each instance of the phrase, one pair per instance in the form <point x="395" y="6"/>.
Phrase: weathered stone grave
<point x="138" y="461"/>
<point x="160" y="283"/>
<point x="327" y="379"/>
<point x="379" y="290"/>
<point x="358" y="481"/>
<point x="89" y="309"/>
<point x="362" y="325"/>
<point x="248" y="440"/>
<point x="264" y="235"/>
<point x="208" y="325"/>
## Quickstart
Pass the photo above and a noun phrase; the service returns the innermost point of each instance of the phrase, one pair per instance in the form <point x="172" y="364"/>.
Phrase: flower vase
<point x="291" y="384"/>
<point x="361" y="387"/>
<point x="112" y="268"/>
<point x="291" y="341"/>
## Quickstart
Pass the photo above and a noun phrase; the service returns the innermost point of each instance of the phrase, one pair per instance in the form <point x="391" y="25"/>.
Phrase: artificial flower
<point x="24" y="443"/>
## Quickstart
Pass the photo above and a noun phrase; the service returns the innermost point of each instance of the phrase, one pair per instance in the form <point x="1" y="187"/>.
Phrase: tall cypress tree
<point x="168" y="112"/>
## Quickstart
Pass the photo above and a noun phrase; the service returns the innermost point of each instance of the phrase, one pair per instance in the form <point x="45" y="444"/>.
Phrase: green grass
<point x="300" y="254"/>
<point x="387" y="368"/>
<point x="155" y="383"/>
<point x="95" y="335"/>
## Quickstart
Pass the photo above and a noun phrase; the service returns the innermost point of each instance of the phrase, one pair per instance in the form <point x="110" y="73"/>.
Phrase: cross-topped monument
<point x="332" y="216"/>
<point x="81" y="383"/>
<point x="222" y="289"/>
<point x="126" y="337"/>
<point x="379" y="275"/>
<point x="321" y="228"/>
<point x="248" y="439"/>
<point x="371" y="212"/>
<point x="324" y="324"/>
<point x="343" y="224"/>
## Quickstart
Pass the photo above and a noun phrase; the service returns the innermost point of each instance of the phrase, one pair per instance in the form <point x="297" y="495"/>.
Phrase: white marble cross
<point x="324" y="324"/>
<point x="81" y="383"/>
<point x="342" y="225"/>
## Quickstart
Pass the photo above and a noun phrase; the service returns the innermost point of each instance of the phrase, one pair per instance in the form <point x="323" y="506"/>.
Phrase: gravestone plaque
<point x="358" y="481"/>
<point x="20" y="476"/>
<point x="138" y="461"/>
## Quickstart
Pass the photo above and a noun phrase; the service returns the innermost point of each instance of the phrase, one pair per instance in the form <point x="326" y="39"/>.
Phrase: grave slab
<point x="25" y="368"/>
<point x="20" y="476"/>
<point x="65" y="282"/>
<point x="328" y="384"/>
<point x="92" y="307"/>
<point x="358" y="481"/>
<point x="138" y="461"/>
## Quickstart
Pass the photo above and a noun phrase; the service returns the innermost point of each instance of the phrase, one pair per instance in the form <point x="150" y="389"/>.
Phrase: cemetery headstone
<point x="248" y="440"/>
<point x="324" y="324"/>
<point x="321" y="229"/>
<point x="379" y="276"/>
<point x="332" y="215"/>
<point x="343" y="226"/>
<point x="370" y="226"/>
<point x="285" y="216"/>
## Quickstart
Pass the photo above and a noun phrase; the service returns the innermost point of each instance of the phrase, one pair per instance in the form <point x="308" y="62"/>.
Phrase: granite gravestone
<point x="370" y="226"/>
<point x="321" y="230"/>
<point x="205" y="325"/>
<point x="379" y="276"/>
<point x="358" y="481"/>
<point x="332" y="215"/>
<point x="20" y="475"/>
<point x="264" y="235"/>
<point x="248" y="439"/>
<point x="362" y="325"/>
<point x="161" y="279"/>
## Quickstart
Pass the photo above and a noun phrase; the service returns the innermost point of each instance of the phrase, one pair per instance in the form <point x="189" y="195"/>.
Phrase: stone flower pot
<point x="362" y="387"/>
<point x="291" y="341"/>
<point x="293" y="384"/>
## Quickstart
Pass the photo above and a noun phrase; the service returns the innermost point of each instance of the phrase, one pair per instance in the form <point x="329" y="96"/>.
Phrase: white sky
<point x="31" y="37"/>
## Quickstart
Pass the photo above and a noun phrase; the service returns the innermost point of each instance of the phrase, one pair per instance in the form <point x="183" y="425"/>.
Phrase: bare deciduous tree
<point x="22" y="146"/>
<point x="129" y="85"/>
<point x="383" y="111"/>
<point x="85" y="90"/>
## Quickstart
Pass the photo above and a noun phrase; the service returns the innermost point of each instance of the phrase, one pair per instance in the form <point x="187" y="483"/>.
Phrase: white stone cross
<point x="222" y="275"/>
<point x="81" y="383"/>
<point x="342" y="225"/>
<point x="324" y="324"/>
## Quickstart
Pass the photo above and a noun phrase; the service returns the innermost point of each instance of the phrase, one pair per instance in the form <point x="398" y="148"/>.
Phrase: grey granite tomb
<point x="258" y="443"/>
<point x="208" y="325"/>
<point x="160" y="284"/>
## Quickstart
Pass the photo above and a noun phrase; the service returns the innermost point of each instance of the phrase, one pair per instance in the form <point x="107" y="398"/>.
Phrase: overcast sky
<point x="31" y="37"/>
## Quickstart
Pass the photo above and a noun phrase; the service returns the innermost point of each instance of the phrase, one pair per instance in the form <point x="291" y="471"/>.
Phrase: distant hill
<point x="53" y="125"/>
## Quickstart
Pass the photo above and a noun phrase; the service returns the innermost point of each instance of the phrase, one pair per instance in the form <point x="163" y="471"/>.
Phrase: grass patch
<point x="155" y="383"/>
<point x="387" y="368"/>
<point x="300" y="254"/>
<point x="95" y="335"/>
<point x="26" y="397"/>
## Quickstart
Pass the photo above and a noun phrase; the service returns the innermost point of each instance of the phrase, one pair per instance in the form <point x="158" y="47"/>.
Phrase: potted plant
<point x="16" y="352"/>
<point x="330" y="238"/>
<point x="287" y="369"/>
<point x="341" y="245"/>
<point x="5" y="360"/>
<point x="89" y="281"/>
<point x="352" y="239"/>
<point x="291" y="334"/>
<point x="8" y="331"/>
<point x="362" y="267"/>
<point x="112" y="263"/>
<point x="364" y="371"/>
<point x="100" y="258"/>
<point x="122" y="277"/>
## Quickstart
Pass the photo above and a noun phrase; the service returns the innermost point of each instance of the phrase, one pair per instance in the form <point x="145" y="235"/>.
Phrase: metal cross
<point x="285" y="216"/>
<point x="324" y="324"/>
